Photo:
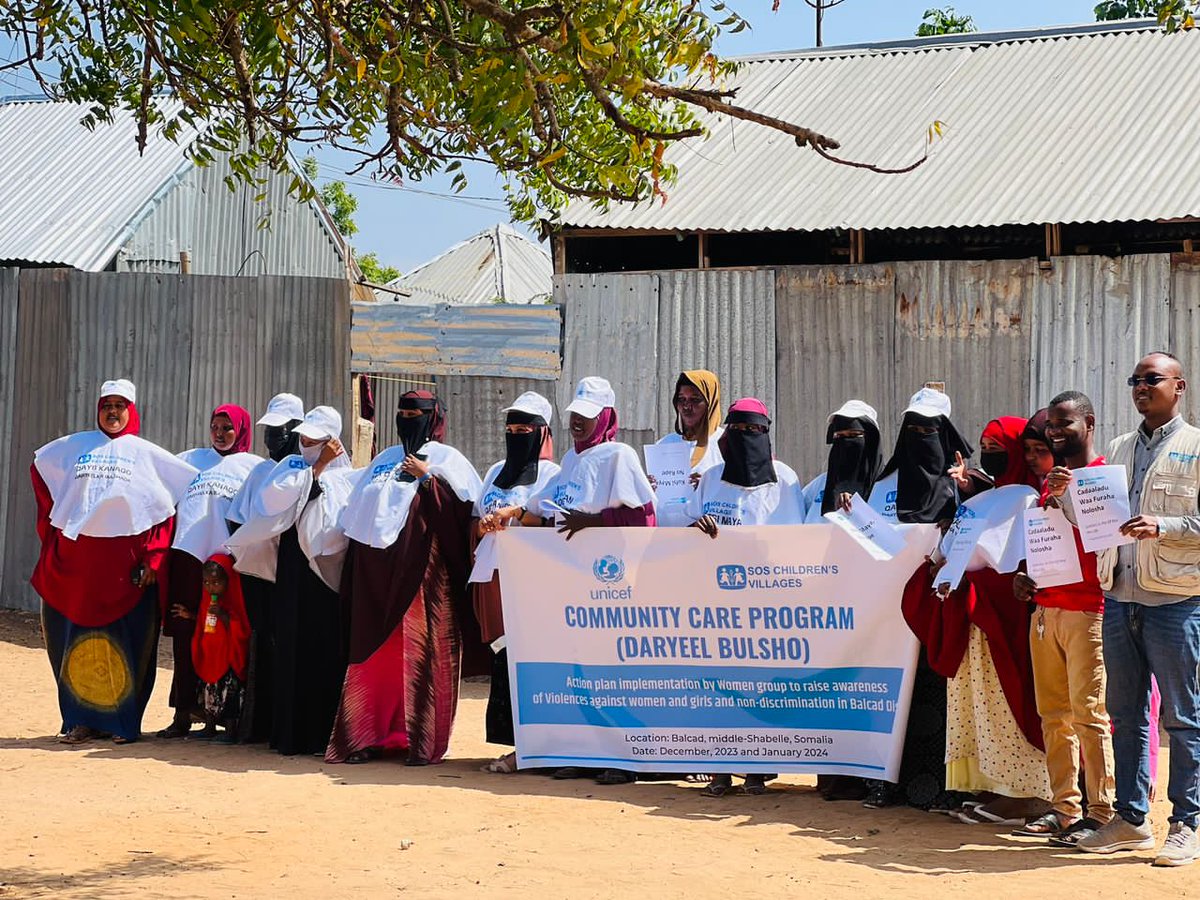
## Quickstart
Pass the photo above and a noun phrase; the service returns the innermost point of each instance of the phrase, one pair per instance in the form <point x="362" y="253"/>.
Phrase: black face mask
<point x="994" y="462"/>
<point x="748" y="459"/>
<point x="414" y="430"/>
<point x="521" y="452"/>
<point x="281" y="441"/>
<point x="925" y="492"/>
<point x="853" y="461"/>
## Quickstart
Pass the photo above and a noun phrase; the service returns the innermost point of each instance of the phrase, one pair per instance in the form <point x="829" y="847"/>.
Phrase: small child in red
<point x="220" y="647"/>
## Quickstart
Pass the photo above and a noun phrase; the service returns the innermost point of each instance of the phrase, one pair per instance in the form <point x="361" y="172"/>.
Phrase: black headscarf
<point x="521" y="451"/>
<point x="416" y="431"/>
<point x="282" y="440"/>
<point x="748" y="460"/>
<point x="925" y="492"/>
<point x="854" y="462"/>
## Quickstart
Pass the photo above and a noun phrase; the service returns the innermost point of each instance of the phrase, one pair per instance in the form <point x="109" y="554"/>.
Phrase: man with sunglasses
<point x="1152" y="615"/>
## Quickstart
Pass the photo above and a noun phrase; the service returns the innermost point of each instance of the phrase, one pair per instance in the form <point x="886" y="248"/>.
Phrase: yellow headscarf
<point x="710" y="387"/>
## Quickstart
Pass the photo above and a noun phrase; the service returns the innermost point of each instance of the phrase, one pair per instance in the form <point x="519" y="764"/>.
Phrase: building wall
<point x="230" y="232"/>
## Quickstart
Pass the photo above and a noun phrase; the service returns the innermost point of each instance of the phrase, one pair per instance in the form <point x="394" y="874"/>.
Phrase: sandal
<point x="979" y="816"/>
<point x="1072" y="835"/>
<point x="80" y="734"/>
<point x="358" y="757"/>
<point x="505" y="765"/>
<point x="718" y="787"/>
<point x="568" y="772"/>
<point x="755" y="785"/>
<point x="175" y="730"/>
<point x="1046" y="825"/>
<point x="615" y="776"/>
<point x="119" y="741"/>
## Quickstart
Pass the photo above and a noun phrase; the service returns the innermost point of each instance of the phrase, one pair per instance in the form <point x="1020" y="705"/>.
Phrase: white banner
<point x="769" y="649"/>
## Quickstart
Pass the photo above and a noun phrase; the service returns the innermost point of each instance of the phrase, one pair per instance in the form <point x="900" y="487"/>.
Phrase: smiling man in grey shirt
<point x="1152" y="615"/>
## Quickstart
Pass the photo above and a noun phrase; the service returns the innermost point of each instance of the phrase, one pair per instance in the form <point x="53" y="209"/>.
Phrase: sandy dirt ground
<point x="186" y="819"/>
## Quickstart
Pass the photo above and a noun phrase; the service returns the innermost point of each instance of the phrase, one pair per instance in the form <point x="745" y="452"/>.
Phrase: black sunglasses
<point x="1151" y="380"/>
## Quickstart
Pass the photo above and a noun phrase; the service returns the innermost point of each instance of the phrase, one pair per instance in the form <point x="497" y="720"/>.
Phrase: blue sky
<point x="406" y="225"/>
<point x="406" y="228"/>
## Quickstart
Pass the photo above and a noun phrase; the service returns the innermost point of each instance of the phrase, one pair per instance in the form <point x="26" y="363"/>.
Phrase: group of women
<point x="365" y="612"/>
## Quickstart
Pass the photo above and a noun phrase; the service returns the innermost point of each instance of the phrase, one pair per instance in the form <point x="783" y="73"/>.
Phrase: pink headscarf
<point x="606" y="430"/>
<point x="243" y="431"/>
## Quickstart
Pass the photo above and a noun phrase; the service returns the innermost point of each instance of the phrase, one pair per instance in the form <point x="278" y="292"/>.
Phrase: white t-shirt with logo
<point x="378" y="507"/>
<point x="492" y="498"/>
<point x="606" y="476"/>
<point x="200" y="527"/>
<point x="778" y="502"/>
<point x="104" y="487"/>
<point x="882" y="499"/>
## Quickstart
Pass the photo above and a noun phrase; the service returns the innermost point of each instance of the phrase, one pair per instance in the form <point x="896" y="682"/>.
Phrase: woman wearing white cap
<point x="106" y="502"/>
<point x="201" y="529"/>
<point x="853" y="468"/>
<point x="601" y="483"/>
<point x="925" y="449"/>
<point x="527" y="466"/>
<point x="257" y="568"/>
<point x="305" y="620"/>
<point x="411" y="624"/>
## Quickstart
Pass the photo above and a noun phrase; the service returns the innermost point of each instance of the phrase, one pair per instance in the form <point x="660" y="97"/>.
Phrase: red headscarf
<point x="133" y="426"/>
<point x="227" y="646"/>
<point x="1006" y="431"/>
<point x="243" y="431"/>
<point x="606" y="430"/>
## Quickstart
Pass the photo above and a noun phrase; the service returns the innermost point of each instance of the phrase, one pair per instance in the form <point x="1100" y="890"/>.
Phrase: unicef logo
<point x="608" y="569"/>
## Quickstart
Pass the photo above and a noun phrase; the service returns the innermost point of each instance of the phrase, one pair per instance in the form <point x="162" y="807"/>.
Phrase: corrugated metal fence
<point x="189" y="343"/>
<point x="1004" y="335"/>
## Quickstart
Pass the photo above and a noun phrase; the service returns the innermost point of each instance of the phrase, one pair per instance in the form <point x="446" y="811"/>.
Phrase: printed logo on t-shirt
<point x="104" y="465"/>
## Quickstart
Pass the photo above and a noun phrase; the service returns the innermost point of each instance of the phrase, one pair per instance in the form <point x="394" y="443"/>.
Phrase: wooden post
<point x="560" y="254"/>
<point x="1053" y="240"/>
<point x="702" y="250"/>
<point x="858" y="246"/>
<point x="185" y="263"/>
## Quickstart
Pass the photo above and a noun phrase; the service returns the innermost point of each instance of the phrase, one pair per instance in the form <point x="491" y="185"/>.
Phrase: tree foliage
<point x="944" y="21"/>
<point x="342" y="204"/>
<point x="374" y="271"/>
<point x="566" y="98"/>
<point x="1171" y="14"/>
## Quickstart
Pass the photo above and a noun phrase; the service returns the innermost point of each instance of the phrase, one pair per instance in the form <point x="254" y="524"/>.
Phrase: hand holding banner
<point x="1100" y="495"/>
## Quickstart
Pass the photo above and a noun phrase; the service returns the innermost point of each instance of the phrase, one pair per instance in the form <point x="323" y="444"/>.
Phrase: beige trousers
<point x="1068" y="676"/>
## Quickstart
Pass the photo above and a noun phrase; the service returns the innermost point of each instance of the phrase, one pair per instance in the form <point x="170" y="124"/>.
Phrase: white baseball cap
<point x="930" y="403"/>
<point x="321" y="423"/>
<point x="856" y="409"/>
<point x="282" y="409"/>
<point x="119" y="387"/>
<point x="532" y="404"/>
<point x="592" y="396"/>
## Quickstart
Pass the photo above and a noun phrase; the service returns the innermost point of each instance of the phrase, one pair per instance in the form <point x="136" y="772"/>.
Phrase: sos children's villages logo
<point x="731" y="578"/>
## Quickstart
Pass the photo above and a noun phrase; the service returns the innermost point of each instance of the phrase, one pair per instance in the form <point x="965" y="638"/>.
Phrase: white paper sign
<point x="1050" y="557"/>
<point x="959" y="555"/>
<point x="1100" y="495"/>
<point x="870" y="530"/>
<point x="670" y="466"/>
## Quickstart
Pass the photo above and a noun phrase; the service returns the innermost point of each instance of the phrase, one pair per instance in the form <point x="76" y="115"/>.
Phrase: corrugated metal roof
<point x="497" y="265"/>
<point x="73" y="196"/>
<point x="69" y="195"/>
<point x="1042" y="126"/>
<point x="502" y="340"/>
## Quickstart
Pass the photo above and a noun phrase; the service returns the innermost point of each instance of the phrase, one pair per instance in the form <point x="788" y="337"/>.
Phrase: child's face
<point x="214" y="579"/>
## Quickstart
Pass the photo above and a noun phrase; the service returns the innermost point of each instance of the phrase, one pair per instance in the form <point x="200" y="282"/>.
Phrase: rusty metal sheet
<point x="834" y="342"/>
<point x="1095" y="317"/>
<point x="967" y="323"/>
<point x="511" y="341"/>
